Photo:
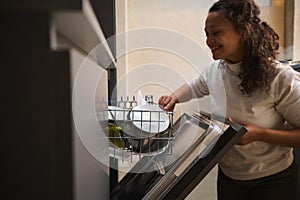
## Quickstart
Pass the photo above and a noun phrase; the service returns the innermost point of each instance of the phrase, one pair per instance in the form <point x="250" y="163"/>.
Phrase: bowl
<point x="149" y="118"/>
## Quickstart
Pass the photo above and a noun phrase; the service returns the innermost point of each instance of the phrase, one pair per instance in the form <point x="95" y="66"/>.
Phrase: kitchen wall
<point x="273" y="14"/>
<point x="297" y="31"/>
<point x="185" y="18"/>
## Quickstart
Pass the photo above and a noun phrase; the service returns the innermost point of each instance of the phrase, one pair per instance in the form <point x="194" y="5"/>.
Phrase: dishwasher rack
<point x="126" y="140"/>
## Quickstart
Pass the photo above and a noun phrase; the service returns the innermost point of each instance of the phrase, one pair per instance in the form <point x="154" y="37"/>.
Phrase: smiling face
<point x="222" y="38"/>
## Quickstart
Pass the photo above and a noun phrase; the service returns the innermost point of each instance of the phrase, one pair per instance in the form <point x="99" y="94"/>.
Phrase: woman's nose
<point x="209" y="41"/>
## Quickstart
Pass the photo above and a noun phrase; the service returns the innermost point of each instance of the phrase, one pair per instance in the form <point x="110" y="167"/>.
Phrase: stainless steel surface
<point x="185" y="149"/>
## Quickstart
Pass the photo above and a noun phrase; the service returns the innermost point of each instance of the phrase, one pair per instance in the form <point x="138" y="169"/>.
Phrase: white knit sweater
<point x="279" y="109"/>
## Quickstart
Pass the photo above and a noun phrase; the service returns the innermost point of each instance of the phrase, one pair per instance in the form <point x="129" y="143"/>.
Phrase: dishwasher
<point x="159" y="158"/>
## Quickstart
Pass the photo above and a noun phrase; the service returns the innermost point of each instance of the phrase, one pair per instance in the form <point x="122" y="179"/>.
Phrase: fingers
<point x="237" y="122"/>
<point x="232" y="120"/>
<point x="162" y="100"/>
<point x="167" y="102"/>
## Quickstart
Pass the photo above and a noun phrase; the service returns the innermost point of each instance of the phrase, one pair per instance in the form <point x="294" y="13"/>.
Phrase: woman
<point x="260" y="93"/>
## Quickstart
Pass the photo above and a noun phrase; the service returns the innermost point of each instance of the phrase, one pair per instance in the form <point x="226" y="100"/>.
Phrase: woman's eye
<point x="213" y="33"/>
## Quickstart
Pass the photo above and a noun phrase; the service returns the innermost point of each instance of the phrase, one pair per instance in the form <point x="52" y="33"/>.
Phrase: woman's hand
<point x="182" y="94"/>
<point x="287" y="138"/>
<point x="168" y="102"/>
<point x="253" y="133"/>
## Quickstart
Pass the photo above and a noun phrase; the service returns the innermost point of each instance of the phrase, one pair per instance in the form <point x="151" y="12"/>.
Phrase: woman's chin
<point x="216" y="57"/>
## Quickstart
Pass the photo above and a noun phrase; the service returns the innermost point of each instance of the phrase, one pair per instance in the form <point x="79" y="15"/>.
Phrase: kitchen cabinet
<point x="41" y="156"/>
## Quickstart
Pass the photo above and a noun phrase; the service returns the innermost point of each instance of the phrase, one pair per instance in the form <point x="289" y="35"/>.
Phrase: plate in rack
<point x="150" y="118"/>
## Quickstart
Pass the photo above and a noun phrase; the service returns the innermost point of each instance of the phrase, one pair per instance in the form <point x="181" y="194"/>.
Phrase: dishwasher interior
<point x="159" y="158"/>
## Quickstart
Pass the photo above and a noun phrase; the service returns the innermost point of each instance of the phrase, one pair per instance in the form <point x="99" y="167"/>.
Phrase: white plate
<point x="150" y="118"/>
<point x="117" y="113"/>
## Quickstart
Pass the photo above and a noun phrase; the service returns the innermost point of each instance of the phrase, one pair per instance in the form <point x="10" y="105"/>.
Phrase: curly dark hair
<point x="260" y="40"/>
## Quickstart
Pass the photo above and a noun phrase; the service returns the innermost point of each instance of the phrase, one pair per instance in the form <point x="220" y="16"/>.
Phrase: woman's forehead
<point x="214" y="19"/>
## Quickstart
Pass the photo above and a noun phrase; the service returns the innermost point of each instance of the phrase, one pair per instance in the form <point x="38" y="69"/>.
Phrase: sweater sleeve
<point x="199" y="86"/>
<point x="287" y="95"/>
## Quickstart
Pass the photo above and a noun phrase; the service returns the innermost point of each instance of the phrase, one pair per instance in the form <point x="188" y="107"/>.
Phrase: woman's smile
<point x="214" y="49"/>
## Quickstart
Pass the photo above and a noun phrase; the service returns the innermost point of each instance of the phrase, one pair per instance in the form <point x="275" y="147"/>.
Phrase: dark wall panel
<point x="39" y="5"/>
<point x="32" y="119"/>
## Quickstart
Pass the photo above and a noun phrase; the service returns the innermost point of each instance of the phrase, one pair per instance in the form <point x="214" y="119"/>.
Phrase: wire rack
<point x="130" y="129"/>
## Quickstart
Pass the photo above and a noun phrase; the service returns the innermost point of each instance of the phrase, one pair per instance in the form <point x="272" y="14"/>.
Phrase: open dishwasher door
<point x="175" y="174"/>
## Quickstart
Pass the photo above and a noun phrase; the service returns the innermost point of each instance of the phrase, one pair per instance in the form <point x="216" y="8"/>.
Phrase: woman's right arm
<point x="182" y="94"/>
